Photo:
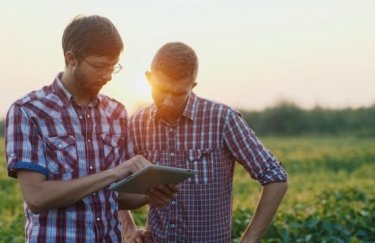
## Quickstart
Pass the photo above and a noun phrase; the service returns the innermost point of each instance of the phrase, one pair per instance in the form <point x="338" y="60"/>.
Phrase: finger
<point x="165" y="193"/>
<point x="141" y="163"/>
<point x="145" y="163"/>
<point x="131" y="239"/>
<point x="159" y="192"/>
<point x="138" y="163"/>
<point x="137" y="239"/>
<point x="155" y="200"/>
<point x="173" y="187"/>
<point x="134" y="236"/>
<point x="147" y="236"/>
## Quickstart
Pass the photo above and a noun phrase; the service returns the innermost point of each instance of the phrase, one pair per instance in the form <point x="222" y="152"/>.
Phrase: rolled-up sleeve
<point x="247" y="150"/>
<point x="23" y="144"/>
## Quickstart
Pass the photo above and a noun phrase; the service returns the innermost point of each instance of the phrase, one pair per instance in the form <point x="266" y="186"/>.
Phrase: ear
<point x="148" y="76"/>
<point x="70" y="58"/>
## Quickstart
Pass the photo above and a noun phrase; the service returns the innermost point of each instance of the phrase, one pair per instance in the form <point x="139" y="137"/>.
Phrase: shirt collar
<point x="191" y="107"/>
<point x="66" y="97"/>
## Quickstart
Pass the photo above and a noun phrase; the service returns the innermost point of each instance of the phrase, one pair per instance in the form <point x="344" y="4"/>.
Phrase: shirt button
<point x="91" y="167"/>
<point x="88" y="116"/>
<point x="88" y="140"/>
<point x="94" y="194"/>
<point x="60" y="146"/>
<point x="171" y="129"/>
<point x="80" y="117"/>
<point x="173" y="202"/>
<point x="172" y="154"/>
<point x="172" y="226"/>
<point x="97" y="219"/>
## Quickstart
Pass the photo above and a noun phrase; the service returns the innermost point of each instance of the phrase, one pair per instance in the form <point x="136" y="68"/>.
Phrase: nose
<point x="107" y="75"/>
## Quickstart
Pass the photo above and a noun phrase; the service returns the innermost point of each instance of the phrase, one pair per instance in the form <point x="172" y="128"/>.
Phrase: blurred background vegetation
<point x="330" y="159"/>
<point x="287" y="119"/>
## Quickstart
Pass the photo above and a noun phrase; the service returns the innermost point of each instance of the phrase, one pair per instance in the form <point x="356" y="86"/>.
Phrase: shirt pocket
<point x="61" y="154"/>
<point x="200" y="160"/>
<point x="113" y="149"/>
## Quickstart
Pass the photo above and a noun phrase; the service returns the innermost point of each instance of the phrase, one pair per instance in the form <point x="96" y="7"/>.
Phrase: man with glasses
<point x="66" y="143"/>
<point x="183" y="130"/>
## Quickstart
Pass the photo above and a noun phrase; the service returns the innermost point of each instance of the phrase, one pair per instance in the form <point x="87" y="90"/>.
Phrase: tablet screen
<point x="151" y="176"/>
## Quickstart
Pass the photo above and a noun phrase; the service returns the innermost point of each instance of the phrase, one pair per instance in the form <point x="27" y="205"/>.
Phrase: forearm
<point x="130" y="201"/>
<point x="267" y="206"/>
<point x="42" y="195"/>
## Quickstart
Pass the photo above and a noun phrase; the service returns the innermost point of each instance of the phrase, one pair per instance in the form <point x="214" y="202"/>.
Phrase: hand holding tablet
<point x="151" y="176"/>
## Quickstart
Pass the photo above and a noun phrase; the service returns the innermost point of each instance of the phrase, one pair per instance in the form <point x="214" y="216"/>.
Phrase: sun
<point x="131" y="90"/>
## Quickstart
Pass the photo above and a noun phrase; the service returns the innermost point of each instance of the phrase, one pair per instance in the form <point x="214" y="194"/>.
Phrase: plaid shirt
<point x="208" y="138"/>
<point x="47" y="132"/>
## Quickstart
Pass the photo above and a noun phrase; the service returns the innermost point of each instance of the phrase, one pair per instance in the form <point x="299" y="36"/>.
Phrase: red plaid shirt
<point x="47" y="132"/>
<point x="208" y="138"/>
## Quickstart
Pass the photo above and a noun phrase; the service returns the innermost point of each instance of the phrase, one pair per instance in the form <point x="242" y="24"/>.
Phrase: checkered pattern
<point x="47" y="132"/>
<point x="208" y="138"/>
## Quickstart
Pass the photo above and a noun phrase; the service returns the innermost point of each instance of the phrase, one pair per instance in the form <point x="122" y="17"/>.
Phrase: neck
<point x="81" y="97"/>
<point x="171" y="120"/>
<point x="171" y="117"/>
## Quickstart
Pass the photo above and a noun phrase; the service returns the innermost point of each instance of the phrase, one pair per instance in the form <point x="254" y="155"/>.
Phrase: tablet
<point x="151" y="176"/>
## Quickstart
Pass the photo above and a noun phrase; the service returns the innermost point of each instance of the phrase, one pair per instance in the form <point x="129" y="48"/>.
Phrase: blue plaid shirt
<point x="209" y="137"/>
<point x="47" y="132"/>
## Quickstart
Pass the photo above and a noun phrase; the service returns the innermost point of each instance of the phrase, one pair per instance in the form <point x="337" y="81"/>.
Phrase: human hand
<point x="161" y="195"/>
<point x="137" y="235"/>
<point x="130" y="166"/>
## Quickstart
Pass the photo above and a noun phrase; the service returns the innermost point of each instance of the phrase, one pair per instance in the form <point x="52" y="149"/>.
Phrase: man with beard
<point x="183" y="130"/>
<point x="66" y="143"/>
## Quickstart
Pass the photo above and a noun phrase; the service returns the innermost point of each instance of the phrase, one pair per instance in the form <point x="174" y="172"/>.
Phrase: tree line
<point x="288" y="119"/>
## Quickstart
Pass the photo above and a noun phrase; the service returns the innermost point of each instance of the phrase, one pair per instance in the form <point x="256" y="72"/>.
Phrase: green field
<point x="331" y="196"/>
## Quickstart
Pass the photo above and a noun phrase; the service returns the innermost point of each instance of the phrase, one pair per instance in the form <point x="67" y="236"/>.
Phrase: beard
<point x="85" y="84"/>
<point x="172" y="111"/>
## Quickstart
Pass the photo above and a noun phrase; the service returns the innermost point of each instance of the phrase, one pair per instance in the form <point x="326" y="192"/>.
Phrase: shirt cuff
<point x="276" y="174"/>
<point x="20" y="165"/>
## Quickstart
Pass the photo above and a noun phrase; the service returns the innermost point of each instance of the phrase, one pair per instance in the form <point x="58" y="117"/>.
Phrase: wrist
<point x="146" y="199"/>
<point x="115" y="176"/>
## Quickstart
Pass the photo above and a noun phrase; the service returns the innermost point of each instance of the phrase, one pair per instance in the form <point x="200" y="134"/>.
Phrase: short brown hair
<point x="92" y="35"/>
<point x="177" y="60"/>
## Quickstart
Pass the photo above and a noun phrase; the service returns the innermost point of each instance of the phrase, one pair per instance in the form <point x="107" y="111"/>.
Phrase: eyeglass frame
<point x="114" y="69"/>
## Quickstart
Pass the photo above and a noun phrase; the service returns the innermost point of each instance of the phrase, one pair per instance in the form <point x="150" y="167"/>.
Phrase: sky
<point x="252" y="54"/>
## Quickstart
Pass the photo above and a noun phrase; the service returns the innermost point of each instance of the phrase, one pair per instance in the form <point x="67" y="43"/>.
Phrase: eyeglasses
<point x="102" y="69"/>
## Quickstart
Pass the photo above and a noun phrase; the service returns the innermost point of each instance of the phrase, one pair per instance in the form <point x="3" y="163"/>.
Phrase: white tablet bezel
<point x="151" y="176"/>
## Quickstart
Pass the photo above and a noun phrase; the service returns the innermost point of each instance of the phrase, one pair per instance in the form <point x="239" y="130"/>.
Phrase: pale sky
<point x="252" y="53"/>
